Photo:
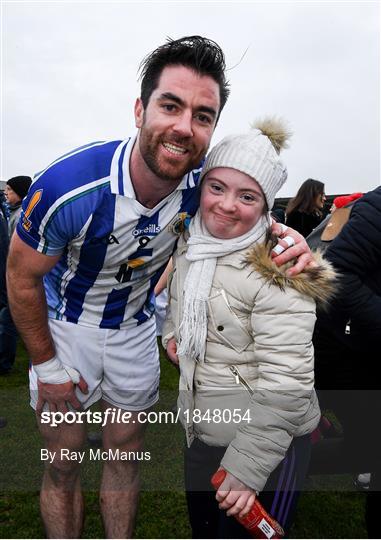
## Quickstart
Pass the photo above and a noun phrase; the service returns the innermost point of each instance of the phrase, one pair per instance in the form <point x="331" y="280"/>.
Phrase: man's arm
<point x="286" y="251"/>
<point x="25" y="270"/>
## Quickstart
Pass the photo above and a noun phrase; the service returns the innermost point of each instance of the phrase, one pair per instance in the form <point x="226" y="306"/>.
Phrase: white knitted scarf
<point x="203" y="251"/>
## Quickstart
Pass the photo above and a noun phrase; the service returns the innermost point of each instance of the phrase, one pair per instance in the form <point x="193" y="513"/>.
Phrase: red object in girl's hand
<point x="257" y="521"/>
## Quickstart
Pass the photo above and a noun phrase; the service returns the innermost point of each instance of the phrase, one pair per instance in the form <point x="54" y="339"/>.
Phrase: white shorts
<point x="120" y="366"/>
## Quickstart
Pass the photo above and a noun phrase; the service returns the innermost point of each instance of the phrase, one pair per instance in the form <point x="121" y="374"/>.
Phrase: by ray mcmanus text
<point x="93" y="454"/>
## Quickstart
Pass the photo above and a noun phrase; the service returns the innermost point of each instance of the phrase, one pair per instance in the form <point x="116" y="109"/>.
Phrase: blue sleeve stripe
<point x="64" y="203"/>
<point x="48" y="239"/>
<point x="33" y="243"/>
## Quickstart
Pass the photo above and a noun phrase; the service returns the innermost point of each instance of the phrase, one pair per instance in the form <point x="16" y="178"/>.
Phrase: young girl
<point x="241" y="332"/>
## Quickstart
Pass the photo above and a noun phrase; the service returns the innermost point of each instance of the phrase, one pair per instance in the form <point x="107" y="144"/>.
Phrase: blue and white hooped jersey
<point x="113" y="249"/>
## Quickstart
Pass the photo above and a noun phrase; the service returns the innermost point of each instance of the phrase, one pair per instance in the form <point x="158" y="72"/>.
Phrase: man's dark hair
<point x="202" y="55"/>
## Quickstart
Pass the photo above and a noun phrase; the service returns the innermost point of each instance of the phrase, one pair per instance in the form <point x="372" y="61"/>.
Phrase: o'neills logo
<point x="151" y="230"/>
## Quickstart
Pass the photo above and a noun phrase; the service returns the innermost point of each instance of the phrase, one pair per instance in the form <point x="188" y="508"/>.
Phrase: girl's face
<point x="231" y="202"/>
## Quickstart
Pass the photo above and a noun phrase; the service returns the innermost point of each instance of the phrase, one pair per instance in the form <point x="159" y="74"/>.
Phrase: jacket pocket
<point x="225" y="323"/>
<point x="239" y="379"/>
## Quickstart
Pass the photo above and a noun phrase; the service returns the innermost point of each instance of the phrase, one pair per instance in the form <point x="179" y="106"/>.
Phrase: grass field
<point x="329" y="508"/>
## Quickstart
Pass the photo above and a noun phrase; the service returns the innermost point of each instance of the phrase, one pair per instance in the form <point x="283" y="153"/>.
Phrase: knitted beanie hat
<point x="343" y="200"/>
<point x="255" y="153"/>
<point x="20" y="185"/>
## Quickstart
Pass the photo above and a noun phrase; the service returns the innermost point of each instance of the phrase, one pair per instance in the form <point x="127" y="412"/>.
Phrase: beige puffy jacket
<point x="254" y="390"/>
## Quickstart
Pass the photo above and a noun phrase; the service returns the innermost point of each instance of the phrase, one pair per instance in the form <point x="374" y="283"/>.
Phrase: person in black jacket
<point x="3" y="290"/>
<point x="305" y="211"/>
<point x="3" y="249"/>
<point x="8" y="333"/>
<point x="347" y="340"/>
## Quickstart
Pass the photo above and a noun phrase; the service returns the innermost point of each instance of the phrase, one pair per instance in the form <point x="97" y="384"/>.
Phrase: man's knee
<point x="63" y="472"/>
<point x="63" y="445"/>
<point x="63" y="435"/>
<point x="124" y="436"/>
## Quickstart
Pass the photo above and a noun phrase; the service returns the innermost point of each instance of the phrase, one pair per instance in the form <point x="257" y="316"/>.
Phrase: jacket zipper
<point x="240" y="380"/>
<point x="348" y="327"/>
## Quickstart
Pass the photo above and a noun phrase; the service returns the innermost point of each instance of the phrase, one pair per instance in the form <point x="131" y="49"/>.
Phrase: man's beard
<point x="150" y="150"/>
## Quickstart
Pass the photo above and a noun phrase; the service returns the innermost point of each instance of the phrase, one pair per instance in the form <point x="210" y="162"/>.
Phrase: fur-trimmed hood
<point x="318" y="282"/>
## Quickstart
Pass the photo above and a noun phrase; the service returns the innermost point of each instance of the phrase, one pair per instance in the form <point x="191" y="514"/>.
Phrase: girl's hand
<point x="171" y="351"/>
<point x="235" y="496"/>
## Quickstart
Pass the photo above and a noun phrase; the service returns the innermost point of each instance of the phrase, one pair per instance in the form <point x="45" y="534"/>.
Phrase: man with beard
<point x="99" y="225"/>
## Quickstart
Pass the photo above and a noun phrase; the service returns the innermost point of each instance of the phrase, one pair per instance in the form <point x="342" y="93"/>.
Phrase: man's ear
<point x="139" y="113"/>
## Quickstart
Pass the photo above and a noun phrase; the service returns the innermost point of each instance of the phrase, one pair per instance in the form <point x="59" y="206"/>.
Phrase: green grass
<point x="329" y="508"/>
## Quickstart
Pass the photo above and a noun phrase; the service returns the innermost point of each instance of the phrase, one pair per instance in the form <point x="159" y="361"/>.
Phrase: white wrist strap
<point x="53" y="372"/>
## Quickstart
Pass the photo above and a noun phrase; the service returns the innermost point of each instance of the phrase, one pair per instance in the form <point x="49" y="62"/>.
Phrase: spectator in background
<point x="347" y="340"/>
<point x="8" y="334"/>
<point x="305" y="211"/>
<point x="3" y="249"/>
<point x="15" y="190"/>
<point x="331" y="226"/>
<point x="4" y="212"/>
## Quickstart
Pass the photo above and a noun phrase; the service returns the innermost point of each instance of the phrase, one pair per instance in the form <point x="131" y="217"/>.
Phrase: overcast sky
<point x="69" y="76"/>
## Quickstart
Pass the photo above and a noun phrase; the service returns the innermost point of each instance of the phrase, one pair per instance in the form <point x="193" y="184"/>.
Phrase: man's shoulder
<point x="92" y="159"/>
<point x="64" y="195"/>
<point x="81" y="171"/>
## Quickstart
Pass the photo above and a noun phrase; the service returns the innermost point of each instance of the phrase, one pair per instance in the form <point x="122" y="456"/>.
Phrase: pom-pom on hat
<point x="343" y="200"/>
<point x="20" y="185"/>
<point x="256" y="154"/>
